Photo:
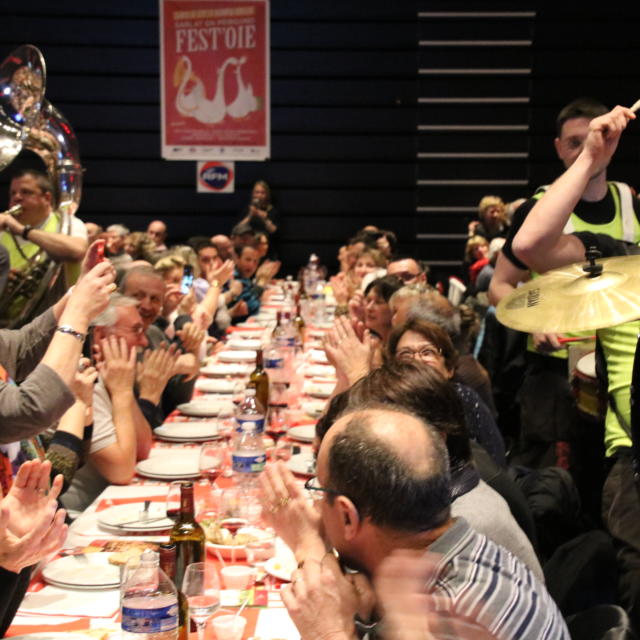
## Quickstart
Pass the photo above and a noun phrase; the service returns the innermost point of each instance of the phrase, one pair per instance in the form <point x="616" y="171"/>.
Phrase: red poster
<point x="215" y="79"/>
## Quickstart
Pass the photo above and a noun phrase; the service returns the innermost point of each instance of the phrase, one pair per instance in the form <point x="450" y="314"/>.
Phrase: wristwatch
<point x="25" y="231"/>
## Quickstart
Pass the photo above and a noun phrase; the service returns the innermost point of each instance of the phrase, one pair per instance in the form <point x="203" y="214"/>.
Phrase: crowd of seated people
<point x="414" y="450"/>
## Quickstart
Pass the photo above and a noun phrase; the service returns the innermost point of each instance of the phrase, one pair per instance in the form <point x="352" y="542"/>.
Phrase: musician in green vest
<point x="543" y="244"/>
<point x="33" y="237"/>
<point x="548" y="419"/>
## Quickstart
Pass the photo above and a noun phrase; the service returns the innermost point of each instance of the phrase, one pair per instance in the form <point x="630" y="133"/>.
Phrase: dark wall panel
<point x="343" y="117"/>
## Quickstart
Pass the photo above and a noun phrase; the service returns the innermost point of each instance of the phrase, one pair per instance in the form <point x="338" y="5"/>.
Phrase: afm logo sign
<point x="216" y="177"/>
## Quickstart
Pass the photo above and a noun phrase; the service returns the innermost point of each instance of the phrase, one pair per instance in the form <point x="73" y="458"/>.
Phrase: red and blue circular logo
<point x="215" y="175"/>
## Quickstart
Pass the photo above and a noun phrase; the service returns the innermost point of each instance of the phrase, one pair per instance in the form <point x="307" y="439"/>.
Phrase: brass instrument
<point x="29" y="121"/>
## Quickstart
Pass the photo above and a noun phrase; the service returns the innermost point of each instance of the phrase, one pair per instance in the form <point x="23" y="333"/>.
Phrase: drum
<point x="591" y="398"/>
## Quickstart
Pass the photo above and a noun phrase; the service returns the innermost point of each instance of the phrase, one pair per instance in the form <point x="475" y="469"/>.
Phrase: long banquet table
<point x="48" y="608"/>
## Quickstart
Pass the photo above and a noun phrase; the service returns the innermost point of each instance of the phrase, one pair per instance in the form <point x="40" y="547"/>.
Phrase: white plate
<point x="85" y="571"/>
<point x="176" y="465"/>
<point x="113" y="518"/>
<point x="314" y="408"/>
<point x="200" y="408"/>
<point x="281" y="567"/>
<point x="222" y="369"/>
<point x="215" y="385"/>
<point x="240" y="344"/>
<point x="54" y="635"/>
<point x="301" y="464"/>
<point x="320" y="371"/>
<point x="237" y="356"/>
<point x="303" y="432"/>
<point x="187" y="431"/>
<point x="249" y="332"/>
<point x="318" y="356"/>
<point x="318" y="389"/>
<point x="233" y="552"/>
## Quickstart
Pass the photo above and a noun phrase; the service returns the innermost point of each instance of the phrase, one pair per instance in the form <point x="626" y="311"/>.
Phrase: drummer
<point x="547" y="410"/>
<point x="541" y="244"/>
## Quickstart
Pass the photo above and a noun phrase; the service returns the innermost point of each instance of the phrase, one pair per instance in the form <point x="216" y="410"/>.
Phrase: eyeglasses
<point x="406" y="276"/>
<point x="424" y="353"/>
<point x="313" y="485"/>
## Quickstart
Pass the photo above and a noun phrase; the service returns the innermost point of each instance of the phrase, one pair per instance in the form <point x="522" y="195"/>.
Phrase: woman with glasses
<point x="421" y="341"/>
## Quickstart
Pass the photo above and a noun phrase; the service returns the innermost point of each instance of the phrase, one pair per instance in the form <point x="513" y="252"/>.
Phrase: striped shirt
<point x="481" y="580"/>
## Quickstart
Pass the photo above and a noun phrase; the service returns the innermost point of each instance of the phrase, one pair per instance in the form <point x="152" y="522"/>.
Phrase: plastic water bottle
<point x="311" y="275"/>
<point x="250" y="413"/>
<point x="274" y="363"/>
<point x="149" y="602"/>
<point x="318" y="314"/>
<point x="248" y="457"/>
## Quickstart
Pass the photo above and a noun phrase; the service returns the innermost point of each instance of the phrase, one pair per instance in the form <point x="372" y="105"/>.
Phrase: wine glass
<point x="212" y="462"/>
<point x="277" y="427"/>
<point x="201" y="587"/>
<point x="172" y="502"/>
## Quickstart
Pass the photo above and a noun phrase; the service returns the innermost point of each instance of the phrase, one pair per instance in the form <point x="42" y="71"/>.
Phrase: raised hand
<point x="118" y="366"/>
<point x="191" y="336"/>
<point x="155" y="370"/>
<point x="286" y="509"/>
<point x="29" y="495"/>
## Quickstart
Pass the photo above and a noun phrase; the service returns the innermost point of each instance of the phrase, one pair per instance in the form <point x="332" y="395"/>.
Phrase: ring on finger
<point x="284" y="501"/>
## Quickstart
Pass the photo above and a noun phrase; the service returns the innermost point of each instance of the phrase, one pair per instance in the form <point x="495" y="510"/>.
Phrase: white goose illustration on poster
<point x="193" y="103"/>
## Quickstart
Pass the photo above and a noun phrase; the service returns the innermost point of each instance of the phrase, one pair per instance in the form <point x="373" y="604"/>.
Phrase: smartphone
<point x="187" y="279"/>
<point x="95" y="254"/>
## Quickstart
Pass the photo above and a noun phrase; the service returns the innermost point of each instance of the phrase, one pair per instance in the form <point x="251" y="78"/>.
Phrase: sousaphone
<point x="30" y="122"/>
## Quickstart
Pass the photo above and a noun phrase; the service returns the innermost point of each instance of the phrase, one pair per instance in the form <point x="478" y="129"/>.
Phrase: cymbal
<point x="568" y="299"/>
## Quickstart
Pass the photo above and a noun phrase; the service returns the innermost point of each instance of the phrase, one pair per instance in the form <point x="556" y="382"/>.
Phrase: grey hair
<point x="143" y="271"/>
<point x="427" y="304"/>
<point x="110" y="315"/>
<point x="120" y="229"/>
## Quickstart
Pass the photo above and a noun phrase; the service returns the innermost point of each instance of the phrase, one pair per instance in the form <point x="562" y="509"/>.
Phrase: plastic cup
<point x="237" y="576"/>
<point x="229" y="627"/>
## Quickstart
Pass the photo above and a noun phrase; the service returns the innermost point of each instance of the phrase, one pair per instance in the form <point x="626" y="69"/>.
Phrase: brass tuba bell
<point x="29" y="121"/>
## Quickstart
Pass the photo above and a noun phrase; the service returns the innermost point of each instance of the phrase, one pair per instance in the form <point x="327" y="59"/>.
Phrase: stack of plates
<point x="318" y="389"/>
<point x="215" y="385"/>
<point x="318" y="356"/>
<point x="87" y="571"/>
<point x="303" y="432"/>
<point x="187" y="431"/>
<point x="243" y="344"/>
<point x="248" y="332"/>
<point x="223" y="369"/>
<point x="320" y="371"/>
<point x="237" y="356"/>
<point x="314" y="408"/>
<point x="201" y="408"/>
<point x="173" y="465"/>
<point x="127" y="517"/>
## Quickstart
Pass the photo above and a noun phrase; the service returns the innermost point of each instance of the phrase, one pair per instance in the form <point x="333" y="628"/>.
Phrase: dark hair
<point x="385" y="287"/>
<point x="432" y="332"/>
<point x="42" y="180"/>
<point x="580" y="108"/>
<point x="381" y="484"/>
<point x="336" y="407"/>
<point x="240" y="249"/>
<point x="423" y="392"/>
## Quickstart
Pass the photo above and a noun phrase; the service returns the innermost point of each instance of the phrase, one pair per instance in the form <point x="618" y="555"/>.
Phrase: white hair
<point x="109" y="316"/>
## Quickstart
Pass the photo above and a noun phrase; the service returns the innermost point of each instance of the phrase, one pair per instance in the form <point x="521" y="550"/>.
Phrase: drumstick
<point x="578" y="339"/>
<point x="635" y="106"/>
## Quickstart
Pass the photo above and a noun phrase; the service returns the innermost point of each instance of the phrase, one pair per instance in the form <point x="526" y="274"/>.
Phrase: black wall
<point x="345" y="113"/>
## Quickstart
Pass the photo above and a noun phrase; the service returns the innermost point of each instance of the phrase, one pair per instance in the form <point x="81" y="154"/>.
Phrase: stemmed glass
<point x="201" y="587"/>
<point x="277" y="427"/>
<point x="212" y="462"/>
